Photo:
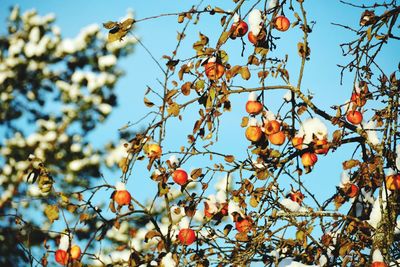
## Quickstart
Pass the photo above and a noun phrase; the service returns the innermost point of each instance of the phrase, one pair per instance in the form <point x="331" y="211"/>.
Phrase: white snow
<point x="253" y="122"/>
<point x="168" y="261"/>
<point x="269" y="115"/>
<point x="252" y="96"/>
<point x="105" y="108"/>
<point x="64" y="242"/>
<point x="107" y="61"/>
<point x="311" y="127"/>
<point x="234" y="207"/>
<point x="344" y="178"/>
<point x="376" y="213"/>
<point x="288" y="96"/>
<point x="173" y="159"/>
<point x="370" y="127"/>
<point x="184" y="223"/>
<point x="236" y="18"/>
<point x="119" y="186"/>
<point x="377" y="256"/>
<point x="290" y="204"/>
<point x="255" y="21"/>
<point x="289" y="262"/>
<point x="272" y="3"/>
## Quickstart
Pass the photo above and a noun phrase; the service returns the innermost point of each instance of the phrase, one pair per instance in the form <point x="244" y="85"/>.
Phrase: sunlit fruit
<point x="61" y="257"/>
<point x="253" y="133"/>
<point x="186" y="236"/>
<point x="214" y="70"/>
<point x="281" y="23"/>
<point x="354" y="117"/>
<point x="296" y="196"/>
<point x="321" y="146"/>
<point x="207" y="212"/>
<point x="272" y="127"/>
<point x="122" y="197"/>
<point x="75" y="252"/>
<point x="239" y="29"/>
<point x="378" y="264"/>
<point x="352" y="191"/>
<point x="224" y="209"/>
<point x="358" y="99"/>
<point x="180" y="176"/>
<point x="154" y="151"/>
<point x="277" y="138"/>
<point x="243" y="226"/>
<point x="256" y="39"/>
<point x="297" y="142"/>
<point x="254" y="107"/>
<point x="309" y="159"/>
<point x="393" y="182"/>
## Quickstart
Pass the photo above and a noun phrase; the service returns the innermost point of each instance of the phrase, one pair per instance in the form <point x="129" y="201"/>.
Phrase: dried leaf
<point x="150" y="234"/>
<point x="51" y="212"/>
<point x="148" y="103"/>
<point x="244" y="72"/>
<point x="196" y="173"/>
<point x="186" y="88"/>
<point x="245" y="122"/>
<point x="350" y="164"/>
<point x="229" y="158"/>
<point x="173" y="109"/>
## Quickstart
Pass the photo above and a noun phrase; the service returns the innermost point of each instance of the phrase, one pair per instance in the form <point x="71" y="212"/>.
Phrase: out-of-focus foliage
<point x="54" y="91"/>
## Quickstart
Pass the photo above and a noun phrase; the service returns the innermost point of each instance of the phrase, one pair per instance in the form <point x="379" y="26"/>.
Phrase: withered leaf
<point x="229" y="158"/>
<point x="245" y="122"/>
<point x="186" y="88"/>
<point x="173" y="109"/>
<point x="150" y="234"/>
<point x="196" y="173"/>
<point x="350" y="164"/>
<point x="51" y="212"/>
<point x="148" y="103"/>
<point x="245" y="73"/>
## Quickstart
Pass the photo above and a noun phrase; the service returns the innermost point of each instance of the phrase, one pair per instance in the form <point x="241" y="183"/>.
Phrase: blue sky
<point x="159" y="36"/>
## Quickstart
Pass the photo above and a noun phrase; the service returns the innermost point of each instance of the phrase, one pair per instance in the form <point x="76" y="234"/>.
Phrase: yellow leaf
<point x="51" y="212"/>
<point x="148" y="103"/>
<point x="245" y="73"/>
<point x="173" y="109"/>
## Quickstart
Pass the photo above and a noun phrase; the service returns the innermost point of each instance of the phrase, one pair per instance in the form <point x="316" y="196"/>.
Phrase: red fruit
<point x="180" y="176"/>
<point x="378" y="264"/>
<point x="61" y="257"/>
<point x="122" y="197"/>
<point x="154" y="151"/>
<point x="297" y="142"/>
<point x="214" y="70"/>
<point x="321" y="146"/>
<point x="352" y="191"/>
<point x="253" y="133"/>
<point x="309" y="159"/>
<point x="207" y="212"/>
<point x="277" y="138"/>
<point x="75" y="252"/>
<point x="393" y="182"/>
<point x="243" y="226"/>
<point x="272" y="127"/>
<point x="186" y="236"/>
<point x="257" y="39"/>
<point x="224" y="210"/>
<point x="354" y="117"/>
<point x="281" y="23"/>
<point x="296" y="196"/>
<point x="254" y="107"/>
<point x="239" y="29"/>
